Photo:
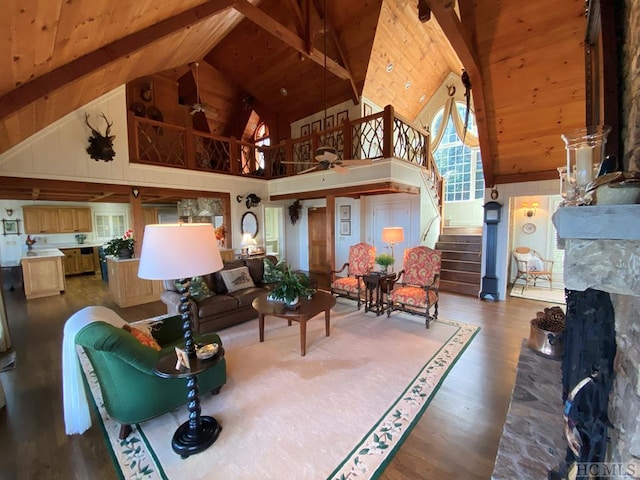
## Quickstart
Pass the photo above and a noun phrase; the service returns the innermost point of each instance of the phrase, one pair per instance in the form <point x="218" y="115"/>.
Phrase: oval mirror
<point x="249" y="224"/>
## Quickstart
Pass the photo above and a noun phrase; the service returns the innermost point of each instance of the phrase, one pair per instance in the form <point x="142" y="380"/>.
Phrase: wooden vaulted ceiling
<point x="525" y="60"/>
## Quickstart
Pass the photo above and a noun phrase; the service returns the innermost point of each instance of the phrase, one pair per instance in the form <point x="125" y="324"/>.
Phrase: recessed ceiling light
<point x="423" y="97"/>
<point x="407" y="85"/>
<point x="389" y="67"/>
<point x="283" y="92"/>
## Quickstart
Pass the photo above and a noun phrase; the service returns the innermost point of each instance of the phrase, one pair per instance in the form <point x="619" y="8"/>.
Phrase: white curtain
<point x="450" y="110"/>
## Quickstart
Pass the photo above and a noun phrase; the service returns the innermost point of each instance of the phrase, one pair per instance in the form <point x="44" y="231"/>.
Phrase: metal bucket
<point x="545" y="343"/>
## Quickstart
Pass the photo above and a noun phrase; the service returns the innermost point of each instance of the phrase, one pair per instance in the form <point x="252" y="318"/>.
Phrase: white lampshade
<point x="247" y="240"/>
<point x="393" y="234"/>
<point x="180" y="250"/>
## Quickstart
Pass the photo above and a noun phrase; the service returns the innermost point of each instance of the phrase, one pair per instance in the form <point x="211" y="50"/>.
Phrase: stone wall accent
<point x="200" y="207"/>
<point x="609" y="265"/>
<point x="631" y="86"/>
<point x="624" y="403"/>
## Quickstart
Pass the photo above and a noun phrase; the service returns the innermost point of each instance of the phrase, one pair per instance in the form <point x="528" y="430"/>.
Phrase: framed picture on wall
<point x="10" y="227"/>
<point x="345" y="212"/>
<point x="316" y="126"/>
<point x="328" y="122"/>
<point x="342" y="117"/>
<point x="304" y="130"/>
<point x="368" y="110"/>
<point x="345" y="227"/>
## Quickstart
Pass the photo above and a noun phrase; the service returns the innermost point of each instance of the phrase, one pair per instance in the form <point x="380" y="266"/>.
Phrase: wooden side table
<point x="377" y="283"/>
<point x="199" y="432"/>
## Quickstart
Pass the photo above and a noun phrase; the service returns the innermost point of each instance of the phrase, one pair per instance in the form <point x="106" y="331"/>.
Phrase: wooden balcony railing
<point x="381" y="135"/>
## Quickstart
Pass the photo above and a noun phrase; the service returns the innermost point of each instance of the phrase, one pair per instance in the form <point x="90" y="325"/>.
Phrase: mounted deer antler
<point x="100" y="146"/>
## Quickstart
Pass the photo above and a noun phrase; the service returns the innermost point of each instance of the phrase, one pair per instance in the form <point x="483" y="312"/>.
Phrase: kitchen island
<point x="43" y="273"/>
<point x="127" y="289"/>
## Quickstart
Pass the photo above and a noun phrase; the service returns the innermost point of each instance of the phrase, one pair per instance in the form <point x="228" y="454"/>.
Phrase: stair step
<point x="462" y="230"/>
<point x="462" y="266"/>
<point x="475" y="239"/>
<point x="460" y="276"/>
<point x="458" y="246"/>
<point x="459" y="287"/>
<point x="465" y="256"/>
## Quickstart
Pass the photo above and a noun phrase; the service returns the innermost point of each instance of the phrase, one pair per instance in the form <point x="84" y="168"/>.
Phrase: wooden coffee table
<point x="307" y="309"/>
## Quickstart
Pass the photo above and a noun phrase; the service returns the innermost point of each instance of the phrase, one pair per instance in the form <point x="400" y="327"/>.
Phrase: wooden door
<point x="317" y="240"/>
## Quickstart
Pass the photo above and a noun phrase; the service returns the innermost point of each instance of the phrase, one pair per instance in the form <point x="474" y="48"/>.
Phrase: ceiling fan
<point x="327" y="158"/>
<point x="199" y="107"/>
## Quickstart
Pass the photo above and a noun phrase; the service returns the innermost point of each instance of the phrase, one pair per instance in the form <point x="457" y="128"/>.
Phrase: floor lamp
<point x="183" y="251"/>
<point x="391" y="236"/>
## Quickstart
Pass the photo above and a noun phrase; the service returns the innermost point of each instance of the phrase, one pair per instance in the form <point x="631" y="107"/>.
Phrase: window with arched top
<point x="458" y="162"/>
<point x="261" y="139"/>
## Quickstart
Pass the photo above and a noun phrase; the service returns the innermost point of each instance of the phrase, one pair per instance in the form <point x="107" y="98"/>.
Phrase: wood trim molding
<point x="355" y="191"/>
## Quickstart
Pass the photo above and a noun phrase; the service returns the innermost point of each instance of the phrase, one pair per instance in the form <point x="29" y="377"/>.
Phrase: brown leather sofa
<point x="225" y="308"/>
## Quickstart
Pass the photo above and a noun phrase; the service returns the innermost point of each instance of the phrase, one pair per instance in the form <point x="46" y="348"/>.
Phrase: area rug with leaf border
<point x="340" y="412"/>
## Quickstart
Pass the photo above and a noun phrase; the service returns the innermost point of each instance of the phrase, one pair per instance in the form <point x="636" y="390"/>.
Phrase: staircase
<point x="460" y="271"/>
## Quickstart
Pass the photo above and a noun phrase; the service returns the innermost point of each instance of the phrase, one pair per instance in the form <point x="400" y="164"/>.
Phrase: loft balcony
<point x="380" y="135"/>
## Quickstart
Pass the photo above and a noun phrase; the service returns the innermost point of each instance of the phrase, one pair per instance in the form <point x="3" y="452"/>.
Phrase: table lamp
<point x="392" y="236"/>
<point x="183" y="251"/>
<point x="246" y="243"/>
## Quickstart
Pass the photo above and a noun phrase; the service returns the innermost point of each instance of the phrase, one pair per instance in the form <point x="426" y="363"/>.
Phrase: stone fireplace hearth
<point x="602" y="252"/>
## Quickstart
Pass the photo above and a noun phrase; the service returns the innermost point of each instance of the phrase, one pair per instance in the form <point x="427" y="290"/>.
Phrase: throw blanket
<point x="77" y="418"/>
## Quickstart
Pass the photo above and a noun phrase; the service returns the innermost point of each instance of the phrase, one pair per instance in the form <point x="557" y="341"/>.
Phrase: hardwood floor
<point x="456" y="438"/>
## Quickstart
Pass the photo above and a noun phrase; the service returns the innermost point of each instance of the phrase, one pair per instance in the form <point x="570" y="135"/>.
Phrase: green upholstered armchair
<point x="132" y="393"/>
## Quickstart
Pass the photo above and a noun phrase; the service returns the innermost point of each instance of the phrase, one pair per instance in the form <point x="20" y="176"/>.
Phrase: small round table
<point x="199" y="432"/>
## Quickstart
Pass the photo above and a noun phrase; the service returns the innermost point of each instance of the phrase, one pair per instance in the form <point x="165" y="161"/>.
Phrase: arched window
<point x="261" y="139"/>
<point x="460" y="165"/>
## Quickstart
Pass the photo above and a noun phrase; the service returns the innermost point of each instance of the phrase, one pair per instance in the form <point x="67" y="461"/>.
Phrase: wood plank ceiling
<point x="526" y="58"/>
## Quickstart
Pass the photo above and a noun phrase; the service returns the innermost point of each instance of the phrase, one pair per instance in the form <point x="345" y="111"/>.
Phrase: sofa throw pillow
<point x="273" y="273"/>
<point x="198" y="289"/>
<point x="237" y="279"/>
<point x="142" y="337"/>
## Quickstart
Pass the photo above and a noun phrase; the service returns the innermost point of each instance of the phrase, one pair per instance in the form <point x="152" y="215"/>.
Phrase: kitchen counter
<point x="45" y="252"/>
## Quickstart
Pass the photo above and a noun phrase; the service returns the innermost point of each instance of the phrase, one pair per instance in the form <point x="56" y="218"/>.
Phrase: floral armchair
<point x="361" y="261"/>
<point x="416" y="289"/>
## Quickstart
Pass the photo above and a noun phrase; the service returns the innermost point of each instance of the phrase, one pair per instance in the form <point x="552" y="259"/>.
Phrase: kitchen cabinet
<point x="75" y="219"/>
<point x="43" y="274"/>
<point x="127" y="289"/>
<point x="79" y="260"/>
<point x="56" y="219"/>
<point x="41" y="220"/>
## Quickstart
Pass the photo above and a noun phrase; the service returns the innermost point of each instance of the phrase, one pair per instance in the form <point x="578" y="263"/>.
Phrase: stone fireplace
<point x="602" y="252"/>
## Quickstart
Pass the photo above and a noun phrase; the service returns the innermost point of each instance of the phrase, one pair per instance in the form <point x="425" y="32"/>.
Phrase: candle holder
<point x="585" y="153"/>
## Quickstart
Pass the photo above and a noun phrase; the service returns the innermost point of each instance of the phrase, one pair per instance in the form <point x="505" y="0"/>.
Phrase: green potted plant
<point x="384" y="260"/>
<point x="121" y="247"/>
<point x="291" y="287"/>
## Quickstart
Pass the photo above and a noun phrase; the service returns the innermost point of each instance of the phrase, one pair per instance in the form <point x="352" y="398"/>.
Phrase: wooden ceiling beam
<point x="334" y="36"/>
<point x="355" y="191"/>
<point x="460" y="40"/>
<point x="42" y="86"/>
<point x="282" y="33"/>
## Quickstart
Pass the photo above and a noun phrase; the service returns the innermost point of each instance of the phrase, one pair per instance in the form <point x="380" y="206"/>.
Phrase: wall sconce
<point x="9" y="211"/>
<point x="136" y="192"/>
<point x="529" y="212"/>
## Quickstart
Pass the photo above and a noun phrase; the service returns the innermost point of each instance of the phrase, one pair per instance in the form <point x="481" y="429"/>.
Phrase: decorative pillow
<point x="273" y="273"/>
<point x="144" y="338"/>
<point x="198" y="289"/>
<point x="535" y="264"/>
<point x="237" y="279"/>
